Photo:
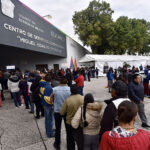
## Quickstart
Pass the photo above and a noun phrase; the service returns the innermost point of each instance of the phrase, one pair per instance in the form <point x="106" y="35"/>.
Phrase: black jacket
<point x="136" y="92"/>
<point x="35" y="87"/>
<point x="110" y="119"/>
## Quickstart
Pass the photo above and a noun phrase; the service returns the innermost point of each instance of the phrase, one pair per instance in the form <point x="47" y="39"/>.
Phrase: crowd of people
<point x="58" y="95"/>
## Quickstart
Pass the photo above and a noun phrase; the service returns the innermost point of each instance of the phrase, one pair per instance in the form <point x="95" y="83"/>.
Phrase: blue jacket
<point x="110" y="75"/>
<point x="146" y="80"/>
<point x="42" y="85"/>
<point x="61" y="93"/>
<point x="136" y="92"/>
<point x="146" y="71"/>
<point x="45" y="99"/>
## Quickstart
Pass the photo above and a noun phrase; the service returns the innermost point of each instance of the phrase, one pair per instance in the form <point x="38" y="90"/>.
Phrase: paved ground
<point x="18" y="128"/>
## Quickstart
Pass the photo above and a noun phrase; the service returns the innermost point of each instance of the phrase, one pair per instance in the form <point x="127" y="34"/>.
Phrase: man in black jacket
<point x="119" y="94"/>
<point x="136" y="94"/>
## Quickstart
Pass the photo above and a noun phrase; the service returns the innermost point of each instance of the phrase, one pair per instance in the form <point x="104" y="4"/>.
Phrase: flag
<point x="71" y="64"/>
<point x="75" y="64"/>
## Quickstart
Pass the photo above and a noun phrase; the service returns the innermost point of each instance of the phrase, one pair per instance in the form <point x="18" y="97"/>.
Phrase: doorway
<point x="42" y="67"/>
<point x="56" y="66"/>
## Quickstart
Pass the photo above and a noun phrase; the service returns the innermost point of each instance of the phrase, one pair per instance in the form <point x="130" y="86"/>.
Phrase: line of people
<point x="84" y="123"/>
<point x="82" y="116"/>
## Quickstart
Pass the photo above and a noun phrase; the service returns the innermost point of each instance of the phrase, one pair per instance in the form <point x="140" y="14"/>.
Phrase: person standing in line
<point x="2" y="82"/>
<point x="6" y="77"/>
<point x="126" y="136"/>
<point x="136" y="94"/>
<point x="89" y="74"/>
<point x="91" y="114"/>
<point x="61" y="93"/>
<point x="47" y="101"/>
<point x="97" y="70"/>
<point x="69" y="77"/>
<point x="30" y="81"/>
<point x="69" y="109"/>
<point x="110" y="78"/>
<point x="13" y="83"/>
<point x="80" y="82"/>
<point x="119" y="93"/>
<point x="23" y="85"/>
<point x="36" y="99"/>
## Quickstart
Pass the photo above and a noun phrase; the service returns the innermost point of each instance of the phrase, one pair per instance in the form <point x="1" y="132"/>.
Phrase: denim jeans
<point x="26" y="99"/>
<point x="16" y="98"/>
<point x="48" y="113"/>
<point x="81" y="90"/>
<point x="141" y="113"/>
<point x="110" y="83"/>
<point x="58" y="121"/>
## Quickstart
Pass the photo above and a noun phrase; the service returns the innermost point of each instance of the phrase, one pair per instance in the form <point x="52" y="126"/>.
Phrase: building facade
<point x="29" y="42"/>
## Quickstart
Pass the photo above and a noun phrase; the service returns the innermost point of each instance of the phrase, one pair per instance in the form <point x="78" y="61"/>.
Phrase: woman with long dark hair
<point x="91" y="122"/>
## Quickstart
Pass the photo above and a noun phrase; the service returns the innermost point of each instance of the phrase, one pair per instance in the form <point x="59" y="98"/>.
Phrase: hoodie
<point x="93" y="117"/>
<point x="13" y="83"/>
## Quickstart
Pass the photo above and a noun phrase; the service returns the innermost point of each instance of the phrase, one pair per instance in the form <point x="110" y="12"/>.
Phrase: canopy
<point x="115" y="61"/>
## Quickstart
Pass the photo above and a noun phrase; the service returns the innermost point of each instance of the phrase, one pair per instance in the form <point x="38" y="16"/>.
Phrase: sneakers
<point x="37" y="117"/>
<point x="144" y="125"/>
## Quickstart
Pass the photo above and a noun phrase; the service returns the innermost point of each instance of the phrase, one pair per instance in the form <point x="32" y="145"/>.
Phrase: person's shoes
<point x="31" y="112"/>
<point x="21" y="106"/>
<point x="42" y="115"/>
<point x="37" y="117"/>
<point x="144" y="125"/>
<point x="57" y="147"/>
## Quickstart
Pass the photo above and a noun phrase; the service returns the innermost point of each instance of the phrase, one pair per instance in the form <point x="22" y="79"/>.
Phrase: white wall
<point x="75" y="51"/>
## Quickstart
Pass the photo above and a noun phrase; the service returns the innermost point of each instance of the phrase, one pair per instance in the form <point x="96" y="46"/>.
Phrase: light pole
<point x="47" y="16"/>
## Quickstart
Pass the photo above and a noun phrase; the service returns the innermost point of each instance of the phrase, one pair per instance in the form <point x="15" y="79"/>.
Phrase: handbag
<point x="78" y="134"/>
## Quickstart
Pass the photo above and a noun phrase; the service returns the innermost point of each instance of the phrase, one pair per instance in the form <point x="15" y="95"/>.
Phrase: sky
<point x="63" y="10"/>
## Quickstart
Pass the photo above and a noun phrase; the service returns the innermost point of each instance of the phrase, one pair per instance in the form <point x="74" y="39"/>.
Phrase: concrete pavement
<point x="19" y="130"/>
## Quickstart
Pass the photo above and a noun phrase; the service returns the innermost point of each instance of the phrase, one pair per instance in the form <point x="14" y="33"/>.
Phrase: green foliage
<point x="126" y="65"/>
<point x="94" y="26"/>
<point x="96" y="29"/>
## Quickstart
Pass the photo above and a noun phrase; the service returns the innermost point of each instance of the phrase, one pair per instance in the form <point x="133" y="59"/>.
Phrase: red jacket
<point x="79" y="80"/>
<point x="140" y="141"/>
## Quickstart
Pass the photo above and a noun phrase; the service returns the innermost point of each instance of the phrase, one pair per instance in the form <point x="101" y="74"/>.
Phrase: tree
<point x="121" y="35"/>
<point x="138" y="36"/>
<point x="94" y="26"/>
<point x="96" y="29"/>
<point x="146" y="46"/>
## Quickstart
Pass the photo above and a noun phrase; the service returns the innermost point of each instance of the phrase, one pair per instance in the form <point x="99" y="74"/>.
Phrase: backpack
<point x="35" y="92"/>
<point x="35" y="95"/>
